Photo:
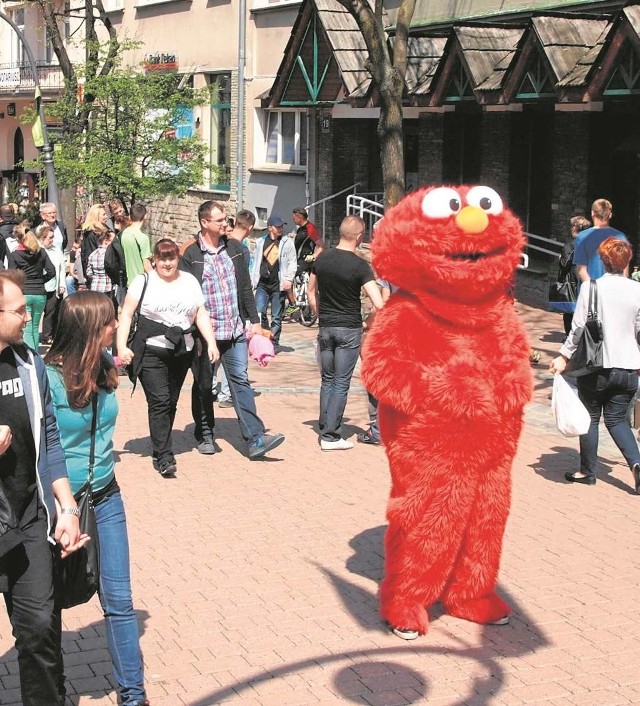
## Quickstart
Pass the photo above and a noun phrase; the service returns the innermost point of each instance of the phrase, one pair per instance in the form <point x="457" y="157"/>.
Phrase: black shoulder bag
<point x="78" y="575"/>
<point x="587" y="357"/>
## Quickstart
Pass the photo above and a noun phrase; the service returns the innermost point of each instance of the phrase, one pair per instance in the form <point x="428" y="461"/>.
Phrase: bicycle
<point x="300" y="284"/>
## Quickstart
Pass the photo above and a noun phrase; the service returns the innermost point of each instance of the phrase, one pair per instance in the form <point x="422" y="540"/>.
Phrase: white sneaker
<point x="338" y="445"/>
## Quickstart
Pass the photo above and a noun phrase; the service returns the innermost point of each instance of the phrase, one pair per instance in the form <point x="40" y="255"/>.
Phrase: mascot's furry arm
<point x="430" y="372"/>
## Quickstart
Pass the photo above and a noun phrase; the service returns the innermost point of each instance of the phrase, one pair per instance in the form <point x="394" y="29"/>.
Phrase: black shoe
<point x="266" y="443"/>
<point x="365" y="437"/>
<point x="207" y="447"/>
<point x="636" y="476"/>
<point x="577" y="477"/>
<point x="167" y="469"/>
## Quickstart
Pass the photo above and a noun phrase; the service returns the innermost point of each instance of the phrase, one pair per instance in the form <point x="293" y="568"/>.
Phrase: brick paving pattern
<point x="255" y="582"/>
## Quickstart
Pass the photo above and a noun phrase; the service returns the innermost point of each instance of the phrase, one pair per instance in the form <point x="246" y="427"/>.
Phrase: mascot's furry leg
<point x="470" y="593"/>
<point x="427" y="521"/>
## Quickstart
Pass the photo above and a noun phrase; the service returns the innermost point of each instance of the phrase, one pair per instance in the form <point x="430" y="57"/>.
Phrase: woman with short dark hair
<point x="611" y="389"/>
<point x="171" y="308"/>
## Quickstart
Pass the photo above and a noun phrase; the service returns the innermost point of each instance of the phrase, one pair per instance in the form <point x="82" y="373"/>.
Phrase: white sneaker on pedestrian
<point x="338" y="445"/>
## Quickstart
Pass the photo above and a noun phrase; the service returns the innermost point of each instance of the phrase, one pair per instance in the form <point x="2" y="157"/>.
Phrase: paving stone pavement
<point x="255" y="582"/>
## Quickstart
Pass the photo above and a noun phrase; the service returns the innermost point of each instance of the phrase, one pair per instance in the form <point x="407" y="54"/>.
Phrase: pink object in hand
<point x="261" y="350"/>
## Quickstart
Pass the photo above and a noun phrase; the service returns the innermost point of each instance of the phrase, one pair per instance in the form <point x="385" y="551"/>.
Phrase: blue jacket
<point x="50" y="463"/>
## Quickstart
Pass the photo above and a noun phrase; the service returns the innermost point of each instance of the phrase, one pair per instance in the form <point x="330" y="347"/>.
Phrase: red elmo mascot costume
<point x="448" y="360"/>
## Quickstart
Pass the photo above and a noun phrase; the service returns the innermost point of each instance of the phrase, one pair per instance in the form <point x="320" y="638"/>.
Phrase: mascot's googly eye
<point x="485" y="198"/>
<point x="441" y="203"/>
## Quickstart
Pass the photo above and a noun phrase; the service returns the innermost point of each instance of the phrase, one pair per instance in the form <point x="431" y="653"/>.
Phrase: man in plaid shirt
<point x="100" y="280"/>
<point x="218" y="264"/>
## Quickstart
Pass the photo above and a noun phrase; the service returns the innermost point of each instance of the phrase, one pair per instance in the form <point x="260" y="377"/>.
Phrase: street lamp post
<point x="47" y="151"/>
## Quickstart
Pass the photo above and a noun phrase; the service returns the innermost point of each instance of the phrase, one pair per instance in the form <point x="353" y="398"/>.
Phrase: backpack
<point x="114" y="261"/>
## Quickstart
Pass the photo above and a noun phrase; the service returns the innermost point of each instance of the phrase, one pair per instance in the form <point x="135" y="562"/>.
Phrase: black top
<point x="270" y="265"/>
<point x="18" y="463"/>
<point x="37" y="268"/>
<point x="89" y="244"/>
<point x="341" y="275"/>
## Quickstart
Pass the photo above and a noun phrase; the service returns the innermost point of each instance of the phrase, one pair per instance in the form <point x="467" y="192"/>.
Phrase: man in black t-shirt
<point x="32" y="474"/>
<point x="337" y="277"/>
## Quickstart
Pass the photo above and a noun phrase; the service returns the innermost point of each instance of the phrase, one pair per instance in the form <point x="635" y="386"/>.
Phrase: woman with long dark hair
<point x="38" y="269"/>
<point x="171" y="307"/>
<point x="80" y="370"/>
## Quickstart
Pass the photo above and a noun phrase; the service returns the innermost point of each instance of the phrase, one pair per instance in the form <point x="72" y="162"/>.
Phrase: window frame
<point x="300" y="124"/>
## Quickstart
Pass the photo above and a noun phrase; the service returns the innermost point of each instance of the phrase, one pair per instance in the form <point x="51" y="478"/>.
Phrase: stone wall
<point x="176" y="217"/>
<point x="430" y="141"/>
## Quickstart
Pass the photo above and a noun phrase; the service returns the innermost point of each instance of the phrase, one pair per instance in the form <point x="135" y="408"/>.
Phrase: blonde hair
<point x="602" y="209"/>
<point x="26" y="238"/>
<point x="92" y="221"/>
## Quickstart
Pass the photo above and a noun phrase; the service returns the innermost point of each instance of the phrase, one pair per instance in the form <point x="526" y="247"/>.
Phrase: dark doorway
<point x="531" y="168"/>
<point x="18" y="149"/>
<point x="461" y="148"/>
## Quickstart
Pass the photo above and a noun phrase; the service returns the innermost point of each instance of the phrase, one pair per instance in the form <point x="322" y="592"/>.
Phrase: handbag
<point x="562" y="296"/>
<point x="572" y="417"/>
<point x="588" y="357"/>
<point x="136" y="316"/>
<point x="78" y="575"/>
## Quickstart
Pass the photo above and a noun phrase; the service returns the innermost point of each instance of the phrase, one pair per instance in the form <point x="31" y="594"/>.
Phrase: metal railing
<point x="323" y="202"/>
<point x="556" y="244"/>
<point x="19" y="77"/>
<point x="369" y="210"/>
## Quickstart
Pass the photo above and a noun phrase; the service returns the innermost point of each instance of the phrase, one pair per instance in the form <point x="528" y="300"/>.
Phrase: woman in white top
<point x="171" y="304"/>
<point x="612" y="388"/>
<point x="55" y="287"/>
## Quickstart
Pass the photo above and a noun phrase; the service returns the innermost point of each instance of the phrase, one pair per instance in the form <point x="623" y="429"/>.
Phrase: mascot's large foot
<point x="406" y="622"/>
<point x="486" y="610"/>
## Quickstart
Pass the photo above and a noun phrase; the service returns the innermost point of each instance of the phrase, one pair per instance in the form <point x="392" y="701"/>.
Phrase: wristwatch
<point x="70" y="511"/>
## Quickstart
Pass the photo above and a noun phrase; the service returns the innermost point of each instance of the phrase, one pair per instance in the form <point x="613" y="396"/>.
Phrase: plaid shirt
<point x="100" y="280"/>
<point x="220" y="293"/>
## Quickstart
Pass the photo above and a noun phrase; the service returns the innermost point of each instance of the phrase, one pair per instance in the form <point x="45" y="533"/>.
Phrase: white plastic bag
<point x="572" y="417"/>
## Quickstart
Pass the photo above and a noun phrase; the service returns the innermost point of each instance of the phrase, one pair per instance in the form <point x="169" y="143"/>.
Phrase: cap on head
<point x="276" y="221"/>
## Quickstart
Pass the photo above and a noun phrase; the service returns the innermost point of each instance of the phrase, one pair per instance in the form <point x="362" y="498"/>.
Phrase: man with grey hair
<point x="337" y="277"/>
<point x="49" y="215"/>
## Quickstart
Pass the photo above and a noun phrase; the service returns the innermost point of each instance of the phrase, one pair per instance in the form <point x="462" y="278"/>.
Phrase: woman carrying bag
<point x="83" y="379"/>
<point x="169" y="306"/>
<point x="610" y="389"/>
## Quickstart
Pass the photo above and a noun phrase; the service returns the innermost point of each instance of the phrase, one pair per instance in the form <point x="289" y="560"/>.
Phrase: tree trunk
<point x="391" y="149"/>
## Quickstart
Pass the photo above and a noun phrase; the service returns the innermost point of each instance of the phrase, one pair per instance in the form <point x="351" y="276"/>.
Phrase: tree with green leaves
<point x="388" y="69"/>
<point x="123" y="130"/>
<point x="138" y="142"/>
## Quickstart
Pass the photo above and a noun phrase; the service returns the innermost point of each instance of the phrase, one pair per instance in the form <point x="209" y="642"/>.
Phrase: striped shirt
<point x="100" y="280"/>
<point x="220" y="293"/>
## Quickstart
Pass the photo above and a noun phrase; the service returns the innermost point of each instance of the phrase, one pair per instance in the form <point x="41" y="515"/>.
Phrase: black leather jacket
<point x="193" y="261"/>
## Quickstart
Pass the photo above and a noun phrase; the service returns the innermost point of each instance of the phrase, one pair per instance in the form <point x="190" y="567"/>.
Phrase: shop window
<point x="286" y="138"/>
<point x="220" y="135"/>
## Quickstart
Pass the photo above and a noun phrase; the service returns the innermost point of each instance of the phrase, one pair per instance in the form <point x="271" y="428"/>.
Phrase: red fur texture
<point x="448" y="360"/>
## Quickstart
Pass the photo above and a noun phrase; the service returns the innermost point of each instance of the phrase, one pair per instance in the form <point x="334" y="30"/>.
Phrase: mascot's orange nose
<point x="472" y="219"/>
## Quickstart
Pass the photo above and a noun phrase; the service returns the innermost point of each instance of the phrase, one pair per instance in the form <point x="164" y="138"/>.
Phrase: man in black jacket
<point x="7" y="223"/>
<point x="218" y="264"/>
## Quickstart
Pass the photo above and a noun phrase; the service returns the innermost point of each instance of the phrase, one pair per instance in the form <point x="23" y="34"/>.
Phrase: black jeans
<point x="610" y="391"/>
<point x="50" y="316"/>
<point x="36" y="622"/>
<point x="161" y="377"/>
<point x="339" y="350"/>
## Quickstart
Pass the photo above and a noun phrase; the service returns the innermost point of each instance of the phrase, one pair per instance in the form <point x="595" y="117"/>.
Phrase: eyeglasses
<point x="21" y="312"/>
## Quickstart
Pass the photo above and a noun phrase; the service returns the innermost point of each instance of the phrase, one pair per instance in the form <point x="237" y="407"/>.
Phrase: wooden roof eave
<point x="289" y="57"/>
<point x="530" y="45"/>
<point x="601" y="71"/>
<point x="442" y="76"/>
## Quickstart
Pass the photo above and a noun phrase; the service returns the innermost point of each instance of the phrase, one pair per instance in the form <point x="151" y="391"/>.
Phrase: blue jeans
<point x="233" y="355"/>
<point x="123" y="638"/>
<point x="610" y="390"/>
<point x="339" y="350"/>
<point x="277" y="300"/>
